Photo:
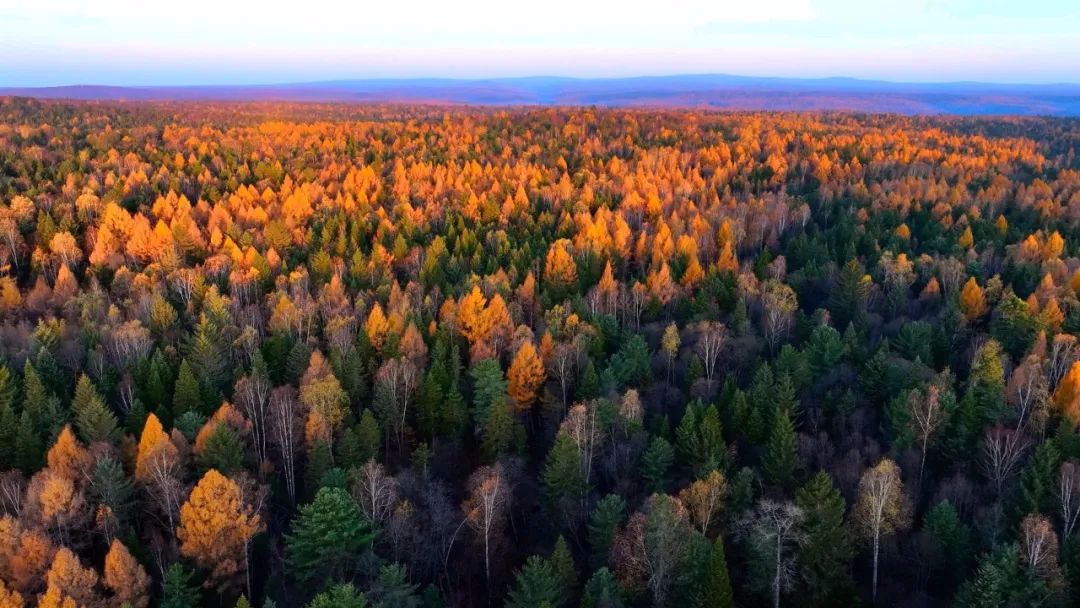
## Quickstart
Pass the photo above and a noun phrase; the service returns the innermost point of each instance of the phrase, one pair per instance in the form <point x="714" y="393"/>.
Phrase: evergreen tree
<point x="630" y="364"/>
<point x="655" y="463"/>
<point x="1038" y="481"/>
<point x="562" y="564"/>
<point x="29" y="447"/>
<point x="46" y="415"/>
<point x="93" y="419"/>
<point x="716" y="588"/>
<point x="536" y="586"/>
<point x="223" y="451"/>
<point x="186" y="396"/>
<point x="564" y="483"/>
<point x="327" y="536"/>
<point x="949" y="541"/>
<point x="339" y="596"/>
<point x="9" y="429"/>
<point x="605" y="519"/>
<point x="489" y="385"/>
<point x="602" y="591"/>
<point x="498" y="429"/>
<point x="1002" y="580"/>
<point x="825" y="555"/>
<point x="177" y="591"/>
<point x="699" y="439"/>
<point x="392" y="589"/>
<point x="781" y="457"/>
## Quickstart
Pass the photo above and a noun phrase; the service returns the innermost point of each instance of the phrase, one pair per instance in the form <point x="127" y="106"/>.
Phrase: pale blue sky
<point x="53" y="42"/>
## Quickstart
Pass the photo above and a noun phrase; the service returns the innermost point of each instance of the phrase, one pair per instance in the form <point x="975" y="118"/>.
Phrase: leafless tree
<point x="486" y="509"/>
<point x="773" y="530"/>
<point x="926" y="416"/>
<point x="1063" y="353"/>
<point x="284" y="427"/>
<point x="1002" y="450"/>
<point x="710" y="341"/>
<point x="1069" y="496"/>
<point x="1039" y="547"/>
<point x="253" y="395"/>
<point x="1027" y="392"/>
<point x="375" y="491"/>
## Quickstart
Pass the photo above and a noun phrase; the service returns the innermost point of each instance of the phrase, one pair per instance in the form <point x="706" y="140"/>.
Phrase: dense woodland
<point x="382" y="356"/>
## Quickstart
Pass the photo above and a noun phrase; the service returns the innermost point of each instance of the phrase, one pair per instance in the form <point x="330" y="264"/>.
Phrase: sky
<point x="122" y="42"/>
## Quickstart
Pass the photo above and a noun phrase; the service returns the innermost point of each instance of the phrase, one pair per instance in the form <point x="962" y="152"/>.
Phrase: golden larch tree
<point x="215" y="527"/>
<point x="525" y="376"/>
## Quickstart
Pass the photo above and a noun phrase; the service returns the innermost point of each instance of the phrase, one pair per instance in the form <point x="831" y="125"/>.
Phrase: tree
<point x="972" y="300"/>
<point x="669" y="344"/>
<point x="186" y="396"/>
<point x="525" y="375"/>
<point x="560" y="270"/>
<point x="773" y="531"/>
<point x="716" y="590"/>
<point x="125" y="577"/>
<point x="779" y="304"/>
<point x="710" y="341"/>
<point x="882" y="509"/>
<point x="392" y="589"/>
<point x="655" y="463"/>
<point x="177" y="589"/>
<point x="781" y="457"/>
<point x="94" y="421"/>
<point x="536" y="585"/>
<point x="70" y="580"/>
<point x="606" y="518"/>
<point x="486" y="509"/>
<point x="376" y="492"/>
<point x="699" y="438"/>
<point x="703" y="499"/>
<point x="564" y="484"/>
<point x="1068" y="495"/>
<point x="602" y="591"/>
<point x="215" y="526"/>
<point x="339" y="596"/>
<point x="824" y="557"/>
<point x="653" y="547"/>
<point x="326" y="536"/>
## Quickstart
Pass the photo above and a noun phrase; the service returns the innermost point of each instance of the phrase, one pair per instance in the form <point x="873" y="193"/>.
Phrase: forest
<point x="412" y="356"/>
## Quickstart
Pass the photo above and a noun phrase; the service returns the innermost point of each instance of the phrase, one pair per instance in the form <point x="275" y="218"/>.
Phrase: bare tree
<point x="710" y="341"/>
<point x="1063" y="353"/>
<point x="1039" y="547"/>
<point x="395" y="382"/>
<point x="779" y="303"/>
<point x="774" y="530"/>
<point x="486" y="509"/>
<point x="253" y="394"/>
<point x="1002" y="450"/>
<point x="882" y="508"/>
<point x="926" y="416"/>
<point x="285" y="432"/>
<point x="1069" y="496"/>
<point x="581" y="425"/>
<point x="1027" y="392"/>
<point x="376" y="492"/>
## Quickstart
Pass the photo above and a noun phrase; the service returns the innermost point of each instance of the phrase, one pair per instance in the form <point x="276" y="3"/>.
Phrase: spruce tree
<point x="602" y="591"/>
<point x="562" y="564"/>
<point x="186" y="395"/>
<point x="655" y="463"/>
<point x="29" y="447"/>
<point x="716" y="588"/>
<point x="825" y="555"/>
<point x="177" y="590"/>
<point x="94" y="421"/>
<point x="535" y="586"/>
<point x="781" y="456"/>
<point x="605" y="519"/>
<point x="564" y="483"/>
<point x="327" y="536"/>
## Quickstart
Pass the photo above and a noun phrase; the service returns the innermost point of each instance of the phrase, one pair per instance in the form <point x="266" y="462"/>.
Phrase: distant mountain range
<point x="713" y="91"/>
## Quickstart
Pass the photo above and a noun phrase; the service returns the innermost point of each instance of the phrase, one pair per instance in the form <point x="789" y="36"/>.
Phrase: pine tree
<point x="29" y="447"/>
<point x="781" y="457"/>
<point x="564" y="484"/>
<point x="327" y="536"/>
<point x="699" y="439"/>
<point x="655" y="463"/>
<point x="339" y="596"/>
<point x="604" y="521"/>
<point x="1038" y="481"/>
<point x="562" y="564"/>
<point x="716" y="589"/>
<point x="93" y="419"/>
<point x="186" y="395"/>
<point x="498" y="429"/>
<point x="825" y="556"/>
<point x="536" y="585"/>
<point x="602" y="591"/>
<point x="392" y="589"/>
<point x="950" y="543"/>
<point x="223" y="450"/>
<point x="9" y="429"/>
<point x="177" y="589"/>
